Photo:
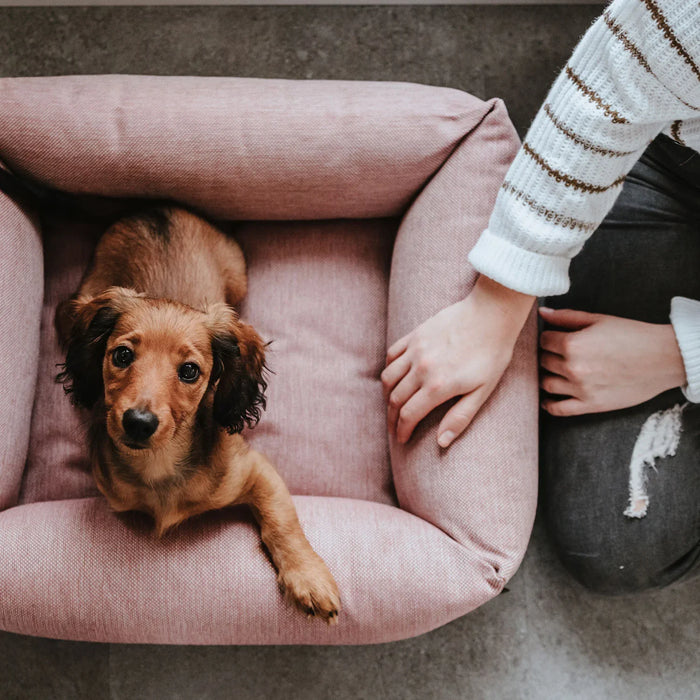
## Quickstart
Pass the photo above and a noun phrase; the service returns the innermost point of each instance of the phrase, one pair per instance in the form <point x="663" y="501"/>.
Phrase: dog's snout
<point x="139" y="425"/>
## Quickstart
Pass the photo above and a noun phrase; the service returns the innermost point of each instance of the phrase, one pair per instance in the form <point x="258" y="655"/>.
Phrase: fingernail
<point x="446" y="438"/>
<point x="546" y="309"/>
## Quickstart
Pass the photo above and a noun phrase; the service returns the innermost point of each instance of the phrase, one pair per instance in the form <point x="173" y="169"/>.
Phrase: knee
<point x="601" y="573"/>
<point x="616" y="562"/>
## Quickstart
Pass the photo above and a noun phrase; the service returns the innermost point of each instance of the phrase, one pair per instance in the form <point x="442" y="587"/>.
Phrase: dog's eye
<point x="122" y="356"/>
<point x="188" y="372"/>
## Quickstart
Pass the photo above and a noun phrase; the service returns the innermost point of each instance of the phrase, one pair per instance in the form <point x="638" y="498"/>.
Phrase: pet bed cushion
<point x="356" y="205"/>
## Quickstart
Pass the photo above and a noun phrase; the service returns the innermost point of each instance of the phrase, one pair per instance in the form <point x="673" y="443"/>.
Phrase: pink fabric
<point x="57" y="463"/>
<point x="328" y="293"/>
<point x="21" y="287"/>
<point x="486" y="495"/>
<point x="74" y="570"/>
<point x="237" y="148"/>
<point x="319" y="292"/>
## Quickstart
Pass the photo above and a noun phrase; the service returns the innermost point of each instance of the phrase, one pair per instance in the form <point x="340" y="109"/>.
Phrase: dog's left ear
<point x="239" y="369"/>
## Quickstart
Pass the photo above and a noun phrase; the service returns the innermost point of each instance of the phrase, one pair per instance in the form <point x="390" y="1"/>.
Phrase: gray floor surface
<point x="547" y="637"/>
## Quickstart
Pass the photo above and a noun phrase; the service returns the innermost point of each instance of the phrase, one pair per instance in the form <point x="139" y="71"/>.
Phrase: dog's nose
<point x="139" y="425"/>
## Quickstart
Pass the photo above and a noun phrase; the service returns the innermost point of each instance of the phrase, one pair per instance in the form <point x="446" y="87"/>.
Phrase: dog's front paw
<point x="312" y="588"/>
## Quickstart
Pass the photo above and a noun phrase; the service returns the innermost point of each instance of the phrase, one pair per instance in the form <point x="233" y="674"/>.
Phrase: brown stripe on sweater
<point x="616" y="29"/>
<point x="548" y="214"/>
<point x="629" y="45"/>
<point x="676" y="131"/>
<point x="588" y="145"/>
<point x="663" y="25"/>
<point x="567" y="179"/>
<point x="594" y="97"/>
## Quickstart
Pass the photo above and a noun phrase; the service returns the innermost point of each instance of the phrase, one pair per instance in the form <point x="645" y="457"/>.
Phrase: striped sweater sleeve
<point x="634" y="73"/>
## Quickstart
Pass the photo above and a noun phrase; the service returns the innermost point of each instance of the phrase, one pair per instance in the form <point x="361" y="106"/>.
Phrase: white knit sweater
<point x="635" y="74"/>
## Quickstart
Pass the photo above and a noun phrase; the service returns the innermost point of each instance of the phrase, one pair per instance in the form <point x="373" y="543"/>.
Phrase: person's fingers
<point x="554" y="384"/>
<point x="398" y="348"/>
<point x="567" y="318"/>
<point x="394" y="373"/>
<point x="458" y="418"/>
<point x="413" y="411"/>
<point x="554" y="363"/>
<point x="554" y="341"/>
<point x="401" y="393"/>
<point x="564" y="407"/>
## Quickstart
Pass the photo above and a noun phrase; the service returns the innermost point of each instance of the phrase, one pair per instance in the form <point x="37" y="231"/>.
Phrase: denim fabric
<point x="645" y="252"/>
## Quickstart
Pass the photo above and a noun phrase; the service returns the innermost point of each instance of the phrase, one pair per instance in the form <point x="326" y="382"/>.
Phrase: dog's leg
<point x="302" y="574"/>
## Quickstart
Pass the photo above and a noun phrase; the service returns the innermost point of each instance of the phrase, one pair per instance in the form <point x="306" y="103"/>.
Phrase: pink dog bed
<point x="356" y="205"/>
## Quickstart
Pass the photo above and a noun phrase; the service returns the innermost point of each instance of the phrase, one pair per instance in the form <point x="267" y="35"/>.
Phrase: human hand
<point x="602" y="363"/>
<point x="461" y="351"/>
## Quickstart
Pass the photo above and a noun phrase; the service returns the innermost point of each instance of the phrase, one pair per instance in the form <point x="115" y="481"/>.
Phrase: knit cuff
<point x="519" y="269"/>
<point x="685" y="318"/>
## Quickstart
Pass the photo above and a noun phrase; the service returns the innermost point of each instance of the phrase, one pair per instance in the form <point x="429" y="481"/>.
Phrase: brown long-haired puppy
<point x="171" y="376"/>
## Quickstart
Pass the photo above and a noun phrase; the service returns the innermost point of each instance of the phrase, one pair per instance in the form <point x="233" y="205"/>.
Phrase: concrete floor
<point x="546" y="637"/>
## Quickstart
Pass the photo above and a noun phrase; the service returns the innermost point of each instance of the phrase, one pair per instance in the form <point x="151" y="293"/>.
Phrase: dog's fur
<point x="162" y="285"/>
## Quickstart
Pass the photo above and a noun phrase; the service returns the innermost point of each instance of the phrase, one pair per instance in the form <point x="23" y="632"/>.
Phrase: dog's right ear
<point x="239" y="373"/>
<point x="92" y="322"/>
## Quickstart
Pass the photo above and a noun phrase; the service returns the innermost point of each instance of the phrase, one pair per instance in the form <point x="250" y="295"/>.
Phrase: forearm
<point x="670" y="369"/>
<point x="508" y="306"/>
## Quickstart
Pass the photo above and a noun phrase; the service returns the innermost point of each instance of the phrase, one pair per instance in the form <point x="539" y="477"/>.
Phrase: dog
<point x="171" y="375"/>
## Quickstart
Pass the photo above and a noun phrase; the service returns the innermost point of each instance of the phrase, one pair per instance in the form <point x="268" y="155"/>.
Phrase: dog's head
<point x="158" y="364"/>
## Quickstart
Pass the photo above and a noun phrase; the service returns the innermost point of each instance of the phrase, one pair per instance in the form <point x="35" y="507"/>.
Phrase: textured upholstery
<point x="21" y="292"/>
<point x="356" y="205"/>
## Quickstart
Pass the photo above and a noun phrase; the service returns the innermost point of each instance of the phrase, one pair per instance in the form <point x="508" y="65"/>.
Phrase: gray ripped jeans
<point x="645" y="252"/>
